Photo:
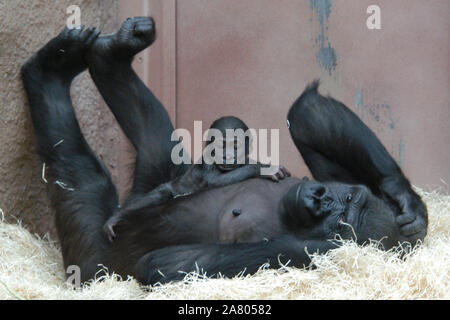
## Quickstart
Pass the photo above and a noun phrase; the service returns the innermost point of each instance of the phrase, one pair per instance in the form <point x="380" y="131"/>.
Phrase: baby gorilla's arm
<point x="190" y="182"/>
<point x="156" y="197"/>
<point x="243" y="173"/>
<point x="197" y="178"/>
<point x="219" y="179"/>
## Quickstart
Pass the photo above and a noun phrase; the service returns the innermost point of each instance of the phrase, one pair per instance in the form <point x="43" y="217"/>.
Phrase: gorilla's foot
<point x="135" y="35"/>
<point x="64" y="55"/>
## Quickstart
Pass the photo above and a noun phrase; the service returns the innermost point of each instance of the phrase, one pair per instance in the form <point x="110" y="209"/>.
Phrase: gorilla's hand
<point x="108" y="227"/>
<point x="413" y="220"/>
<point x="192" y="181"/>
<point x="413" y="217"/>
<point x="281" y="173"/>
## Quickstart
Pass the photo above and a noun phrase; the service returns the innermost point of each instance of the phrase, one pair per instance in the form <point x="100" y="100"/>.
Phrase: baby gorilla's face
<point x="228" y="143"/>
<point x="231" y="153"/>
<point x="317" y="210"/>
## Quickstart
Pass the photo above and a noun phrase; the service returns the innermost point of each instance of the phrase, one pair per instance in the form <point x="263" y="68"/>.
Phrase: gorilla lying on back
<point x="358" y="190"/>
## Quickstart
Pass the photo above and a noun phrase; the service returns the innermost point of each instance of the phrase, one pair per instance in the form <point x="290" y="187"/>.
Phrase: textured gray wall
<point x="24" y="27"/>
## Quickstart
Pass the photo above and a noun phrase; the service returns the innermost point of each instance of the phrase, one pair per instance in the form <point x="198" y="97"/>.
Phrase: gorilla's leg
<point x="172" y="263"/>
<point x="140" y="114"/>
<point x="81" y="189"/>
<point x="338" y="146"/>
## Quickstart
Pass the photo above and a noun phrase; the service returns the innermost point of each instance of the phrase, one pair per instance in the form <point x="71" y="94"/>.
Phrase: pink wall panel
<point x="253" y="58"/>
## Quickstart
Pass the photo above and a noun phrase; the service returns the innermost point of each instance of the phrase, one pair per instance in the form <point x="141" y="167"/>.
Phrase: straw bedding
<point x="31" y="268"/>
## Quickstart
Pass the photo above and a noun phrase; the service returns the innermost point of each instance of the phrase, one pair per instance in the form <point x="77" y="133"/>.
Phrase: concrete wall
<point x="24" y="27"/>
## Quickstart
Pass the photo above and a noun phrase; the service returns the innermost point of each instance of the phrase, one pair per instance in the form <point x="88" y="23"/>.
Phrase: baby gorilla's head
<point x="230" y="139"/>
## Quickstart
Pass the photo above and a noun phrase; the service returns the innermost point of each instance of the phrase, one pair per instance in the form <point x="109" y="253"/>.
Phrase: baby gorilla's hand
<point x="281" y="173"/>
<point x="109" y="227"/>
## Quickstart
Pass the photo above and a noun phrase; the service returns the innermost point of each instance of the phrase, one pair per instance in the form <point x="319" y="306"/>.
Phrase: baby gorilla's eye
<point x="349" y="198"/>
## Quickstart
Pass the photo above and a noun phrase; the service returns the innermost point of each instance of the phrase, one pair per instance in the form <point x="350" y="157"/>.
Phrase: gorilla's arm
<point x="337" y="146"/>
<point x="172" y="263"/>
<point x="246" y="172"/>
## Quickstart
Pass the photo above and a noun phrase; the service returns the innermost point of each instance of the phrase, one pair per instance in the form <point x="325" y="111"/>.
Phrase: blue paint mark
<point x="326" y="56"/>
<point x="380" y="118"/>
<point x="392" y="121"/>
<point x="323" y="9"/>
<point x="359" y="103"/>
<point x="380" y="113"/>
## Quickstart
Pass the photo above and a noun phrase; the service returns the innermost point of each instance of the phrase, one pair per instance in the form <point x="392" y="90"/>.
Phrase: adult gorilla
<point x="358" y="186"/>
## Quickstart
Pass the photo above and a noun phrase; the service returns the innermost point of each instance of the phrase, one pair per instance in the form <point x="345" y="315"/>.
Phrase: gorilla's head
<point x="234" y="142"/>
<point x="315" y="210"/>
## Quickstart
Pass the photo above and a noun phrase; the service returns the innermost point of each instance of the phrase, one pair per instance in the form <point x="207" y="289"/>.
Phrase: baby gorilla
<point x="214" y="171"/>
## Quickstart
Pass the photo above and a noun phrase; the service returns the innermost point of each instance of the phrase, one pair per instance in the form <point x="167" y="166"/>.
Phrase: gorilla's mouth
<point x="344" y="218"/>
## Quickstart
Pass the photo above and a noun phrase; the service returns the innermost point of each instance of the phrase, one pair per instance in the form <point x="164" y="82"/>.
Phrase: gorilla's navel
<point x="237" y="212"/>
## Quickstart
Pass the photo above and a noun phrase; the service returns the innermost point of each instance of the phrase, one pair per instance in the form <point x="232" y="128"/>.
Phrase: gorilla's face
<point x="314" y="210"/>
<point x="231" y="140"/>
<point x="234" y="153"/>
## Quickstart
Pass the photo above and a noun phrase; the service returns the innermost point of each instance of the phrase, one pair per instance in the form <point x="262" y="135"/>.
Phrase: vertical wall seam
<point x="175" y="13"/>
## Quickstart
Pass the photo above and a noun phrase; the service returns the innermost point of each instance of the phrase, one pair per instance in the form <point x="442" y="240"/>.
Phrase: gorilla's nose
<point x="314" y="198"/>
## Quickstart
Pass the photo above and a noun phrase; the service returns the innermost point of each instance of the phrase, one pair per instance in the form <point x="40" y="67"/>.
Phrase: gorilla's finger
<point x="111" y="234"/>
<point x="93" y="36"/>
<point x="142" y="29"/>
<point x="405" y="218"/>
<point x="285" y="171"/>
<point x="85" y="35"/>
<point x="76" y="31"/>
<point x="412" y="229"/>
<point x="417" y="236"/>
<point x="64" y="32"/>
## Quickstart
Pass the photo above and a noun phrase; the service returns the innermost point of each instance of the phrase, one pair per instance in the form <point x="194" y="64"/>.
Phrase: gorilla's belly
<point x="242" y="212"/>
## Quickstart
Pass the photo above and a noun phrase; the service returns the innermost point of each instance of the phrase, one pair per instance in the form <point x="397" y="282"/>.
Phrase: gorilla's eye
<point x="349" y="198"/>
